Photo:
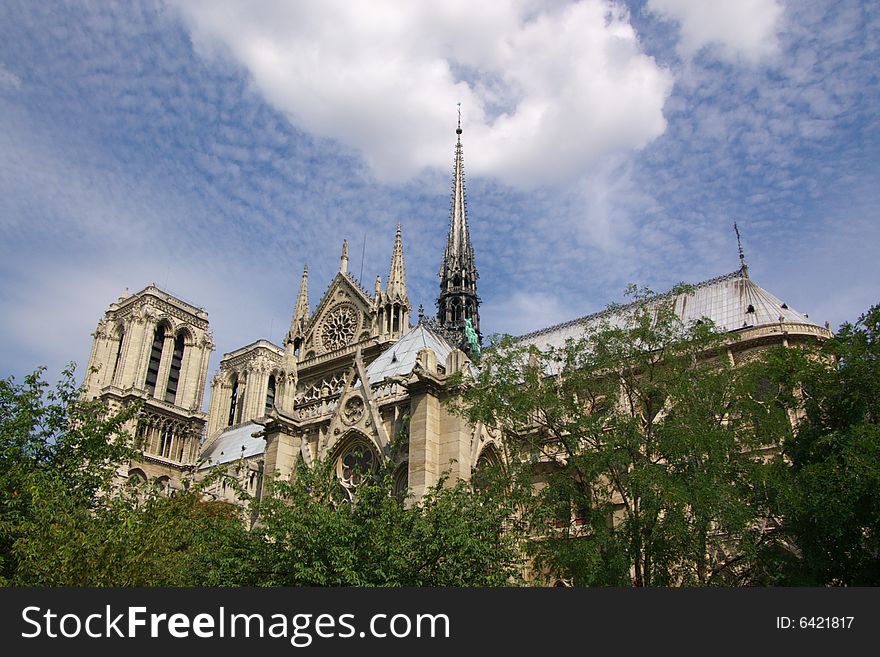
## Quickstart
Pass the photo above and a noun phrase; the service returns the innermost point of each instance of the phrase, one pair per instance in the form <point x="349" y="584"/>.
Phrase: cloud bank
<point x="547" y="88"/>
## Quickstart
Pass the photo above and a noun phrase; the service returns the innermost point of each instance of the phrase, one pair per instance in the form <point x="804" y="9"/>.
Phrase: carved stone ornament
<point x="353" y="410"/>
<point x="339" y="327"/>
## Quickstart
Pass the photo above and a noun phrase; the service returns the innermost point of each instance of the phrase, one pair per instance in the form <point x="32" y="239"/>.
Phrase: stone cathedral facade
<point x="352" y="376"/>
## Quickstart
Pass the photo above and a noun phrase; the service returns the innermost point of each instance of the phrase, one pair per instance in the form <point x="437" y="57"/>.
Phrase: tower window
<point x="121" y="338"/>
<point x="239" y="412"/>
<point x="174" y="373"/>
<point x="155" y="359"/>
<point x="270" y="394"/>
<point x="165" y="444"/>
<point x="233" y="402"/>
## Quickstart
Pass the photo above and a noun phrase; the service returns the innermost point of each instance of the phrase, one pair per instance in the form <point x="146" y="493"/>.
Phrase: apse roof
<point x="400" y="358"/>
<point x="233" y="444"/>
<point x="733" y="302"/>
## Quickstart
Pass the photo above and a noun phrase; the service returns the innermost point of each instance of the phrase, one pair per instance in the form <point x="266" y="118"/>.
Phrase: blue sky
<point x="215" y="147"/>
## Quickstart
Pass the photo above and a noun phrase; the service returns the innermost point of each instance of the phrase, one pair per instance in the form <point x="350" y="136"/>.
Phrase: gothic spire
<point x="397" y="273"/>
<point x="392" y="305"/>
<point x="301" y="311"/>
<point x="458" y="242"/>
<point x="458" y="300"/>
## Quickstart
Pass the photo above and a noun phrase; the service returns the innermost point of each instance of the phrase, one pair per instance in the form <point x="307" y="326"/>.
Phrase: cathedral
<point x="354" y="381"/>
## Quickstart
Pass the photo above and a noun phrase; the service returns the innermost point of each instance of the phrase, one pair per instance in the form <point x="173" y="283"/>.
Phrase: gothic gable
<point x="356" y="414"/>
<point x="343" y="317"/>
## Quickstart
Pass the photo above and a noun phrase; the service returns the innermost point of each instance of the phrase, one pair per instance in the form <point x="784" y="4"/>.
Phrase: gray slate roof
<point x="724" y="300"/>
<point x="400" y="358"/>
<point x="228" y="447"/>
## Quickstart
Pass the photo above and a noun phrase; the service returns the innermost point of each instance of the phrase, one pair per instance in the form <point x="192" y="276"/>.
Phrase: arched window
<point x="270" y="394"/>
<point x="137" y="477"/>
<point x="165" y="444"/>
<point x="486" y="468"/>
<point x="456" y="312"/>
<point x="355" y="463"/>
<point x="242" y="394"/>
<point x="155" y="359"/>
<point x="233" y="401"/>
<point x="401" y="481"/>
<point x="174" y="372"/>
<point x="121" y="337"/>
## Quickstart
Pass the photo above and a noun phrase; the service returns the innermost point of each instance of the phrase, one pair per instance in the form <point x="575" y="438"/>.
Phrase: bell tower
<point x="154" y="347"/>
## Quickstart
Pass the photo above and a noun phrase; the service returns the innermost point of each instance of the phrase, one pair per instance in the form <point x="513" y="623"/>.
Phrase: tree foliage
<point x="638" y="453"/>
<point x="52" y="441"/>
<point x="66" y="521"/>
<point x="831" y="502"/>
<point x="310" y="533"/>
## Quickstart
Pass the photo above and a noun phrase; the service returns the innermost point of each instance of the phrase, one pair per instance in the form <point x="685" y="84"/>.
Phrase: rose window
<point x="339" y="327"/>
<point x="353" y="410"/>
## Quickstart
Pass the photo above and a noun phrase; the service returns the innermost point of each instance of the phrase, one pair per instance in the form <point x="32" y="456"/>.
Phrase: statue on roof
<point x="470" y="335"/>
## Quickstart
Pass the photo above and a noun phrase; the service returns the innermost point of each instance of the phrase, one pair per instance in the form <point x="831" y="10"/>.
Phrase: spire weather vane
<point x="742" y="256"/>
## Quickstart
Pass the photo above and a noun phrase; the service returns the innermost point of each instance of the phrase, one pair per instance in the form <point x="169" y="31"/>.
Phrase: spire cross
<point x="458" y="130"/>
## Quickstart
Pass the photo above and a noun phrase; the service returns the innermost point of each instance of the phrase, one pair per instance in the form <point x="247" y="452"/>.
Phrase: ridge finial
<point x="343" y="266"/>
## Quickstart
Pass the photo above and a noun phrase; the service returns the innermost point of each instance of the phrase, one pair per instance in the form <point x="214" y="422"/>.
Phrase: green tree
<point x="831" y="502"/>
<point x="311" y="534"/>
<point x="638" y="453"/>
<point x="65" y="522"/>
<point x="129" y="540"/>
<point x="52" y="440"/>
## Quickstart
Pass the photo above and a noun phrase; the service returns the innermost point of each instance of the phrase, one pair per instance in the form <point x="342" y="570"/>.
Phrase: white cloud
<point x="738" y="29"/>
<point x="9" y="80"/>
<point x="524" y="311"/>
<point x="547" y="88"/>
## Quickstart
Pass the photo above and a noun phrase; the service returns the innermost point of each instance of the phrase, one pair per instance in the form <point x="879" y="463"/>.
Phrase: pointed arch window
<point x="233" y="402"/>
<point x="155" y="359"/>
<point x="456" y="312"/>
<point x="242" y="394"/>
<point x="165" y="443"/>
<point x="174" y="372"/>
<point x="355" y="464"/>
<point x="270" y="393"/>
